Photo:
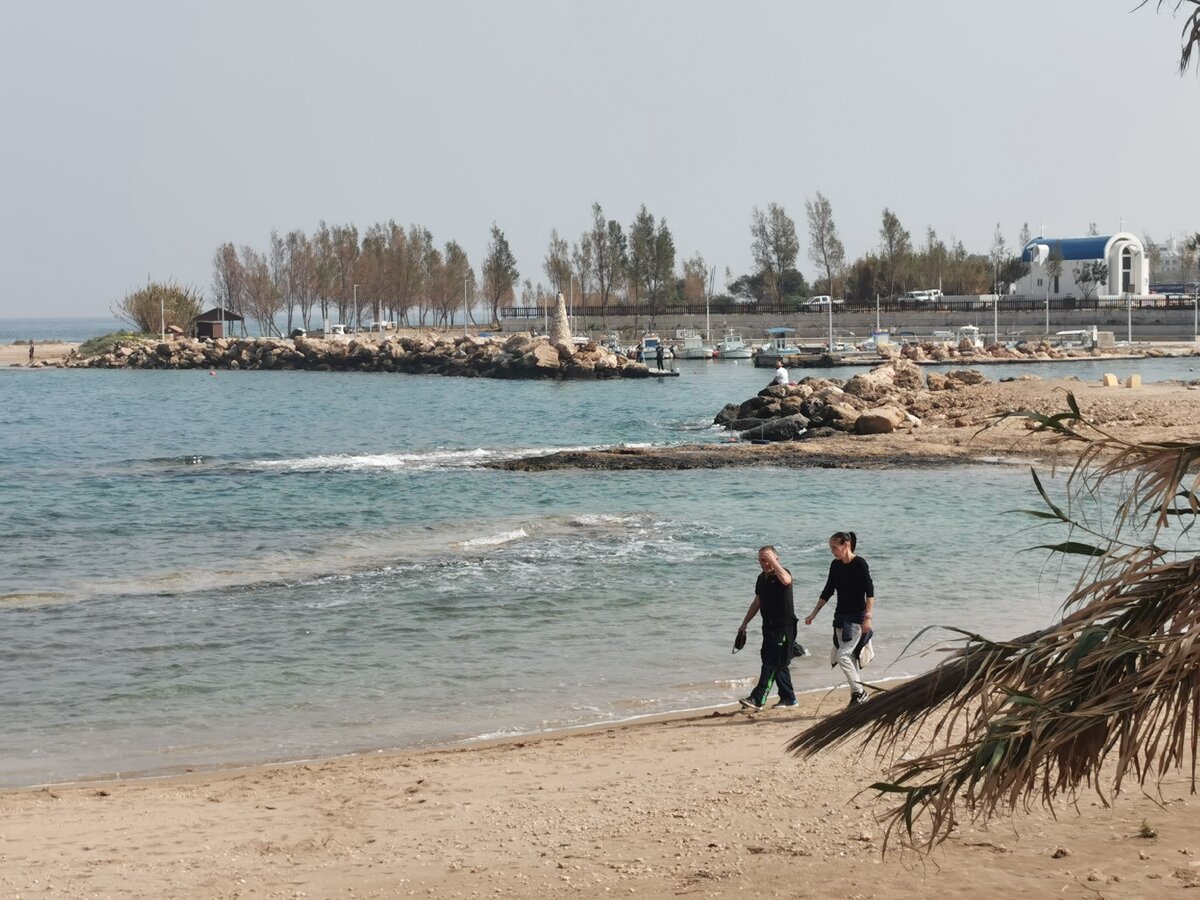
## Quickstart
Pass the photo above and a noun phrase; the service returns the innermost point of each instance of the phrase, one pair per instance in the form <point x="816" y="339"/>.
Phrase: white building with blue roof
<point x="1055" y="262"/>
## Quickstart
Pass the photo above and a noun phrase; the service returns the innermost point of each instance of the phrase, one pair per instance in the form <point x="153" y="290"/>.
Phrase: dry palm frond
<point x="1190" y="36"/>
<point x="1116" y="682"/>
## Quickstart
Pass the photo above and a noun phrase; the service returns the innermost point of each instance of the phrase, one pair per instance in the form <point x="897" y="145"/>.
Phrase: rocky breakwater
<point x="1026" y="351"/>
<point x="518" y="356"/>
<point x="890" y="397"/>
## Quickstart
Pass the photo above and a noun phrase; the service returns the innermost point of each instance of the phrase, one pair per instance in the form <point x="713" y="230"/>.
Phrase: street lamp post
<point x="162" y="315"/>
<point x="465" y="306"/>
<point x="354" y="321"/>
<point x="571" y="303"/>
<point x="1047" y="308"/>
<point x="1129" y="319"/>
<point x="1195" y="317"/>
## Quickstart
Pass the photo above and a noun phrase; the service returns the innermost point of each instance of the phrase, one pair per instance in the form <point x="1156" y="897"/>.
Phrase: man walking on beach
<point x="31" y="351"/>
<point x="773" y="598"/>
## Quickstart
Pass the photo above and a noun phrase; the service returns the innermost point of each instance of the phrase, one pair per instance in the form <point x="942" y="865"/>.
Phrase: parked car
<point x="821" y="301"/>
<point x="930" y="296"/>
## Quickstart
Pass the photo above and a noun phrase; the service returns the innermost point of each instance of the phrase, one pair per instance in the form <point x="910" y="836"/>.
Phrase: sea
<point x="203" y="570"/>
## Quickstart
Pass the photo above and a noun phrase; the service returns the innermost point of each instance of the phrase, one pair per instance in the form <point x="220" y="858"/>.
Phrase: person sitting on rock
<point x="781" y="375"/>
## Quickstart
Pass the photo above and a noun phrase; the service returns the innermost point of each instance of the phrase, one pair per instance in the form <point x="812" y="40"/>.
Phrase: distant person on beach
<point x="850" y="578"/>
<point x="658" y="356"/>
<point x="781" y="375"/>
<point x="773" y="599"/>
<point x="31" y="349"/>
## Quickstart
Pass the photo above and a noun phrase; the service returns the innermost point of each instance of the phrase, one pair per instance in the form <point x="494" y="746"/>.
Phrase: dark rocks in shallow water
<point x="745" y="424"/>
<point x="787" y="428"/>
<point x="727" y="415"/>
<point x="876" y="402"/>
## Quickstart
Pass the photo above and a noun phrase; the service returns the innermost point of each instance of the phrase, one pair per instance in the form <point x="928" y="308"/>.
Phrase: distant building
<point x="1053" y="263"/>
<point x="1172" y="262"/>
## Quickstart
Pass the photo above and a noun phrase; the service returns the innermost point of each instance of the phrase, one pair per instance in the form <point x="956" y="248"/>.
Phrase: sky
<point x="139" y="136"/>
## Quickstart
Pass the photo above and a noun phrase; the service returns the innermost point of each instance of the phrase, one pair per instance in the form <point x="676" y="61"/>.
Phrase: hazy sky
<point x="138" y="136"/>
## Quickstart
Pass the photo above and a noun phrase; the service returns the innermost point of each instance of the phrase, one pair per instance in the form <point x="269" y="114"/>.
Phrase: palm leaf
<point x="1113" y="686"/>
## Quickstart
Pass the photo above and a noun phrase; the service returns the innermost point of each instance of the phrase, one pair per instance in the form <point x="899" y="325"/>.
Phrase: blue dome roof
<point x="1070" y="248"/>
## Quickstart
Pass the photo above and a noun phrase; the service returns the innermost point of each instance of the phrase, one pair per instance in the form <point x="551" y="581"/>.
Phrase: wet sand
<point x="705" y="804"/>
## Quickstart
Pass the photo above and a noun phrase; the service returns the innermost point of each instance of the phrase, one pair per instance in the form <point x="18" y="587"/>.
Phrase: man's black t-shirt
<point x="775" y="602"/>
<point x="853" y="585"/>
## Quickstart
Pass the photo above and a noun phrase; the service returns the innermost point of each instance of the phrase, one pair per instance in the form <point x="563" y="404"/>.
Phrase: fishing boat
<point x="691" y="346"/>
<point x="733" y="347"/>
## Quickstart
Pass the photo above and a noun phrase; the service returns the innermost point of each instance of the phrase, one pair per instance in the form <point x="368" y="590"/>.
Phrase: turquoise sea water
<point x="200" y="570"/>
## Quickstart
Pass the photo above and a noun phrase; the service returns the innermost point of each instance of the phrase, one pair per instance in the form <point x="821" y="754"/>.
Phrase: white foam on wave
<point x="420" y="461"/>
<point x="495" y="540"/>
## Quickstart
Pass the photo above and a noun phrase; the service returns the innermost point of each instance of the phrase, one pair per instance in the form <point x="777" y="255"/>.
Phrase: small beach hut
<point x="211" y="324"/>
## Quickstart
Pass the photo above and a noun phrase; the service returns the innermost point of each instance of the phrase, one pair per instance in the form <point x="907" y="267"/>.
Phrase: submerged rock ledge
<point x="728" y="456"/>
<point x="517" y="356"/>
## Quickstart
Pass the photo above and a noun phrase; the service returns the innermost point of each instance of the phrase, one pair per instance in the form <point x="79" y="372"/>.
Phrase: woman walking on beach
<point x="773" y="598"/>
<point x="850" y="577"/>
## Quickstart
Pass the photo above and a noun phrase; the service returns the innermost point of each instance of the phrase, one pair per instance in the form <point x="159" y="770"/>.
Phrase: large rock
<point x="966" y="376"/>
<point x="936" y="381"/>
<point x="906" y="374"/>
<point x="727" y="415"/>
<point x="745" y="424"/>
<point x="872" y="386"/>
<point x="881" y="420"/>
<point x="544" y="356"/>
<point x="786" y="428"/>
<point x="841" y="416"/>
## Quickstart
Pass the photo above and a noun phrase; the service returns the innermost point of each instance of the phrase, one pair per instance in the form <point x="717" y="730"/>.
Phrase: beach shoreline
<point x="705" y="803"/>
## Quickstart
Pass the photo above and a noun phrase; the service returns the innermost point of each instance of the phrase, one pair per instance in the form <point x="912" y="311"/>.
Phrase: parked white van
<point x="930" y="296"/>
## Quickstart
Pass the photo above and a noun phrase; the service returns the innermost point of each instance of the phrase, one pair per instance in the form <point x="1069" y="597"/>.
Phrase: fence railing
<point x="947" y="304"/>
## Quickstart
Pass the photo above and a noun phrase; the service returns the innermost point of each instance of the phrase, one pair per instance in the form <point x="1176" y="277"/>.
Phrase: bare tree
<point x="460" y="279"/>
<point x="775" y="247"/>
<point x="558" y="264"/>
<point x="608" y="252"/>
<point x="261" y="298"/>
<point x="695" y="278"/>
<point x="500" y="273"/>
<point x="894" y="247"/>
<point x="825" y="248"/>
<point x="581" y="261"/>
<point x="301" y="275"/>
<point x="229" y="280"/>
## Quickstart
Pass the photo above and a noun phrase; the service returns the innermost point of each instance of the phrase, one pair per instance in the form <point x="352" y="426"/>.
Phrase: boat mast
<point x="707" y="303"/>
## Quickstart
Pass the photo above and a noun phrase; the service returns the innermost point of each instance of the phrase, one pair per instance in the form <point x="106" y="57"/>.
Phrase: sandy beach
<point x="704" y="805"/>
<point x="18" y="354"/>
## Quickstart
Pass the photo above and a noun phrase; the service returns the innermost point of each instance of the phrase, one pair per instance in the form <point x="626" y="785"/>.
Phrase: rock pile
<point x="876" y="402"/>
<point x="519" y="356"/>
<point x="938" y="351"/>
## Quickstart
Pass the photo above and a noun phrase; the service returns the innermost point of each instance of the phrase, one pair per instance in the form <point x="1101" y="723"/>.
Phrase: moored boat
<point x="733" y="347"/>
<point x="691" y="346"/>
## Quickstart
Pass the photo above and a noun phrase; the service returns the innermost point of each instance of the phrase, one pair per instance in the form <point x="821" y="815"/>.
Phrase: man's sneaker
<point x="858" y="697"/>
<point x="750" y="703"/>
<point x="786" y="704"/>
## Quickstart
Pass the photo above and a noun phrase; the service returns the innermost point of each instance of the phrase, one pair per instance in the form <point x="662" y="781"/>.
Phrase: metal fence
<point x="946" y="304"/>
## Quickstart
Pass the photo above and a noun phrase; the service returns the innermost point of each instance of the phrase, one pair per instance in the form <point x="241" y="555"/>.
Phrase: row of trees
<point x="392" y="273"/>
